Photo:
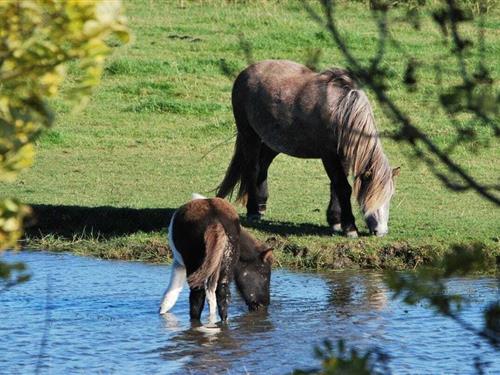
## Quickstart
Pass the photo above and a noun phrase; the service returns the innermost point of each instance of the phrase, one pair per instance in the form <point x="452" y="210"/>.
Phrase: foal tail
<point x="234" y="173"/>
<point x="216" y="245"/>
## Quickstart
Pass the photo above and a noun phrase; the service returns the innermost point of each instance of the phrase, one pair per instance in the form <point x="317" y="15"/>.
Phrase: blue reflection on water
<point x="101" y="316"/>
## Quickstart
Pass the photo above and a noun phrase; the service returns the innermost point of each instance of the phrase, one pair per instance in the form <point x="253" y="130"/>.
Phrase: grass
<point x="160" y="127"/>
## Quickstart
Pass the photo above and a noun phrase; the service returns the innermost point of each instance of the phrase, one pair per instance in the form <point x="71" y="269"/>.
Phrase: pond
<point x="85" y="315"/>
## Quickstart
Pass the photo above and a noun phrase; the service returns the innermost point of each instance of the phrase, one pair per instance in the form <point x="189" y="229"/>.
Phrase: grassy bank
<point x="160" y="127"/>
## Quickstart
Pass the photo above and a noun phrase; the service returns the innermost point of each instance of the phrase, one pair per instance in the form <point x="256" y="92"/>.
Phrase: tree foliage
<point x="472" y="95"/>
<point x="37" y="40"/>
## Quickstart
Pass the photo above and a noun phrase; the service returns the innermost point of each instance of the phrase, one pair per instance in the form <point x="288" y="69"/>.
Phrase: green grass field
<point x="160" y="127"/>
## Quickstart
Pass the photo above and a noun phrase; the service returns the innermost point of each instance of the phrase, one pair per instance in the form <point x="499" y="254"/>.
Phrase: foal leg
<point x="212" y="303"/>
<point x="343" y="192"/>
<point x="177" y="279"/>
<point x="196" y="303"/>
<point x="223" y="293"/>
<point x="266" y="158"/>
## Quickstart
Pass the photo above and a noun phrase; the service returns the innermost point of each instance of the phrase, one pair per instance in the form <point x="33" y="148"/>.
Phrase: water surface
<point x="85" y="315"/>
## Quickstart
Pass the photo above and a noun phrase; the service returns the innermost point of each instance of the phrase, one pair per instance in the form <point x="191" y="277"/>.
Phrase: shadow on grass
<point x="67" y="221"/>
<point x="287" y="228"/>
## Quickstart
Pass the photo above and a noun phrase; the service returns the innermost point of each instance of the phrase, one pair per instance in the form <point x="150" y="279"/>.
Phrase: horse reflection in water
<point x="210" y="248"/>
<point x="351" y="294"/>
<point x="213" y="351"/>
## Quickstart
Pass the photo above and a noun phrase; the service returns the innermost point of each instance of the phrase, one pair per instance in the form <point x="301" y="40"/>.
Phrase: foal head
<point x="376" y="191"/>
<point x="253" y="271"/>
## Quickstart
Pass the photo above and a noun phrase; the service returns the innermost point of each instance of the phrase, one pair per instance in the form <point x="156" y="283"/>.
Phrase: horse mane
<point x="358" y="143"/>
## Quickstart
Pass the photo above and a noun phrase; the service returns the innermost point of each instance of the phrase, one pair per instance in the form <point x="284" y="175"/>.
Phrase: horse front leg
<point x="333" y="212"/>
<point x="342" y="190"/>
<point x="266" y="158"/>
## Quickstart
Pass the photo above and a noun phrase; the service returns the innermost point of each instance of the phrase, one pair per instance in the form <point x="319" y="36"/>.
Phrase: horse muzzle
<point x="378" y="233"/>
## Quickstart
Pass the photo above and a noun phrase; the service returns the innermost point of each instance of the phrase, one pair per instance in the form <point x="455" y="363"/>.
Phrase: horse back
<point x="191" y="222"/>
<point x="288" y="105"/>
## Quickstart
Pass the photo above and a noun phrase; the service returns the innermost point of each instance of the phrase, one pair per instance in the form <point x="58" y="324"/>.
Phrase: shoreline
<point x="342" y="254"/>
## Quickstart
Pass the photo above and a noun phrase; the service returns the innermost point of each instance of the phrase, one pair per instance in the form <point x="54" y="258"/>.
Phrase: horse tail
<point x="216" y="245"/>
<point x="234" y="173"/>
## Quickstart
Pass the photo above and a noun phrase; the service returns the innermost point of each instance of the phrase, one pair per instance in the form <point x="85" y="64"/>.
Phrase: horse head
<point x="376" y="205"/>
<point x="252" y="273"/>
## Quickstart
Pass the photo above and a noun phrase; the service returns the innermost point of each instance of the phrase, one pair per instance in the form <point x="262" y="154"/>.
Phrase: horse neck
<point x="250" y="247"/>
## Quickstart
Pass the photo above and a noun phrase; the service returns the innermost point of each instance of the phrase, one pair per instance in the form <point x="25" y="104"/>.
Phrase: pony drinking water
<point x="284" y="107"/>
<point x="210" y="248"/>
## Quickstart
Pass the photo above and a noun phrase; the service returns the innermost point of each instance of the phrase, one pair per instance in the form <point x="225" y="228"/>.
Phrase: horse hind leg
<point x="266" y="158"/>
<point x="223" y="296"/>
<point x="177" y="280"/>
<point x="250" y="146"/>
<point x="212" y="303"/>
<point x="196" y="303"/>
<point x="228" y="266"/>
<point x="223" y="293"/>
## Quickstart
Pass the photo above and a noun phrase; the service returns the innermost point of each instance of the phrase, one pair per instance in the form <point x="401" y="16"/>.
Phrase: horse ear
<point x="267" y="256"/>
<point x="396" y="172"/>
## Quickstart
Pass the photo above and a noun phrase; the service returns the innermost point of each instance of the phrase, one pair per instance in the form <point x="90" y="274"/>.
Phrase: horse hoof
<point x="254" y="217"/>
<point x="262" y="209"/>
<point x="337" y="228"/>
<point x="352" y="234"/>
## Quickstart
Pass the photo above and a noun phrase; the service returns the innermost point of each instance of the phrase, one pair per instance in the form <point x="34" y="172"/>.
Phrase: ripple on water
<point x="103" y="319"/>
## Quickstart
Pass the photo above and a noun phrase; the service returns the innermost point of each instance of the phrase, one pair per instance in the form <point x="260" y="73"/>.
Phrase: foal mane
<point x="358" y="142"/>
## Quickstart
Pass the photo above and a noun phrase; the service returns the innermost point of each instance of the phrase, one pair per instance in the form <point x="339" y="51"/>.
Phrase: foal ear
<point x="396" y="172"/>
<point x="267" y="256"/>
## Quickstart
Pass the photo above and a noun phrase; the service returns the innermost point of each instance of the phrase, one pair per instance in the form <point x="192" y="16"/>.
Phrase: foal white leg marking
<point x="196" y="196"/>
<point x="176" y="254"/>
<point x="177" y="277"/>
<point x="177" y="280"/>
<point x="212" y="304"/>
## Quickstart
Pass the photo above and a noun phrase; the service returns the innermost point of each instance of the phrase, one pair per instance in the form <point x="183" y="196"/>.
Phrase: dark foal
<point x="210" y="248"/>
<point x="284" y="107"/>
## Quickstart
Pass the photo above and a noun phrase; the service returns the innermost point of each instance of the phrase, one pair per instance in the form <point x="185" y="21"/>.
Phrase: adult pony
<point x="284" y="107"/>
<point x="209" y="248"/>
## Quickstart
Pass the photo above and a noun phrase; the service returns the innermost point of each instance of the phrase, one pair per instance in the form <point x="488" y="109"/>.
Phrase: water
<point x="84" y="315"/>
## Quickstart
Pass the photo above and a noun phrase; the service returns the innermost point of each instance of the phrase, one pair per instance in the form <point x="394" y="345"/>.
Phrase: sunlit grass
<point x="160" y="127"/>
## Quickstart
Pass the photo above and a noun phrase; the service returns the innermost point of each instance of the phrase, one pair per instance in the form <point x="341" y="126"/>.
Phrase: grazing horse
<point x="210" y="247"/>
<point x="284" y="107"/>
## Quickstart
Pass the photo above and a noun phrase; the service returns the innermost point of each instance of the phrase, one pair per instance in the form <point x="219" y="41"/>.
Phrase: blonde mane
<point x="359" y="144"/>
